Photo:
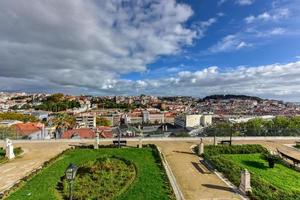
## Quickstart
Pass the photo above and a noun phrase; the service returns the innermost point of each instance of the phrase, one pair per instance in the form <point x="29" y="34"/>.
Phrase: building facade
<point x="86" y="121"/>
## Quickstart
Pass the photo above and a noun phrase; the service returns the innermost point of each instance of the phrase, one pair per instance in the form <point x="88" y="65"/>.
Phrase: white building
<point x="86" y="121"/>
<point x="152" y="118"/>
<point x="206" y="119"/>
<point x="193" y="120"/>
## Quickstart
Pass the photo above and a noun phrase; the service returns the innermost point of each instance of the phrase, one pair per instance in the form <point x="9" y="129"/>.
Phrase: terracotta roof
<point x="106" y="135"/>
<point x="28" y="128"/>
<point x="105" y="131"/>
<point x="79" y="133"/>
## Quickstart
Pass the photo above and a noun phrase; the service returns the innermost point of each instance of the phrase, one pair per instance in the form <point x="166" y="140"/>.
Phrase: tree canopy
<point x="102" y="121"/>
<point x="57" y="103"/>
<point x="18" y="116"/>
<point x="279" y="126"/>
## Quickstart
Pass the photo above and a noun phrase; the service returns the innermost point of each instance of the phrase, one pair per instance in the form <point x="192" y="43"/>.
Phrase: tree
<point x="7" y="132"/>
<point x="101" y="121"/>
<point x="18" y="116"/>
<point x="63" y="122"/>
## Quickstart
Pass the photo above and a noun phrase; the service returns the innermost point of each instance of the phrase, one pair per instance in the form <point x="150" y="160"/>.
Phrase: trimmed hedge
<point x="261" y="189"/>
<point x="211" y="150"/>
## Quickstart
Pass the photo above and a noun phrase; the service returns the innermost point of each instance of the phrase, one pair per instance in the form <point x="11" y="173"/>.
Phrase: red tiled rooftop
<point x="28" y="128"/>
<point x="84" y="133"/>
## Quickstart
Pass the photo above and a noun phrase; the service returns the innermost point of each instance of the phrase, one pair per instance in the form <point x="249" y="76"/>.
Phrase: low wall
<point x="158" y="139"/>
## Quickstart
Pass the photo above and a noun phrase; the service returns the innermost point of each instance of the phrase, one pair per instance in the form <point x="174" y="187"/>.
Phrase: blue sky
<point x="121" y="47"/>
<point x="229" y="18"/>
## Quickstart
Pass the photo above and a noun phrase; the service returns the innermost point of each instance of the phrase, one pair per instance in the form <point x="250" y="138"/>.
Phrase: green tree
<point x="102" y="121"/>
<point x="7" y="132"/>
<point x="18" y="116"/>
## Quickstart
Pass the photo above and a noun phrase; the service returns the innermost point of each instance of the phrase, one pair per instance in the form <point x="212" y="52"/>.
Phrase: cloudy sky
<point x="169" y="47"/>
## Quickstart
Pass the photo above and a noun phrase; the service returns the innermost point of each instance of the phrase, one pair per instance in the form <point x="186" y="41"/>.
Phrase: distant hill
<point x="231" y="96"/>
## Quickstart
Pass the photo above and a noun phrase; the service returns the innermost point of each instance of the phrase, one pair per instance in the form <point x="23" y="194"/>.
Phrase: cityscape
<point x="150" y="100"/>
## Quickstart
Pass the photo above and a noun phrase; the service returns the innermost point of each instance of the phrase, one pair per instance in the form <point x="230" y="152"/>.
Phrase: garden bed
<point x="149" y="180"/>
<point x="280" y="182"/>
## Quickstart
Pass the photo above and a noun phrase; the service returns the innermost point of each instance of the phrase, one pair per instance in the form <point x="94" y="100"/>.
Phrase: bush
<point x="272" y="159"/>
<point x="211" y="150"/>
<point x="18" y="151"/>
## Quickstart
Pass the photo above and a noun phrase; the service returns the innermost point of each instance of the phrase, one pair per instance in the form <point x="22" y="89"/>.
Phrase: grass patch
<point x="276" y="183"/>
<point x="105" y="178"/>
<point x="255" y="164"/>
<point x="150" y="181"/>
<point x="297" y="146"/>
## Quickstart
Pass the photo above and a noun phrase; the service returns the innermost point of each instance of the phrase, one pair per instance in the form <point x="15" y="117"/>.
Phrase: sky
<point x="163" y="48"/>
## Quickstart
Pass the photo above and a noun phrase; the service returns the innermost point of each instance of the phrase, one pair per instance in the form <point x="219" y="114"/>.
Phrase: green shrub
<point x="272" y="159"/>
<point x="297" y="146"/>
<point x="211" y="150"/>
<point x="18" y="151"/>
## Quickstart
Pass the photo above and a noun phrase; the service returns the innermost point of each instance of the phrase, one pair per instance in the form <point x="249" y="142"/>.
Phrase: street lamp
<point x="70" y="175"/>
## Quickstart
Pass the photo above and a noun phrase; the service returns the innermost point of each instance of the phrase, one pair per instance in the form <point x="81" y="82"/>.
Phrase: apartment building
<point x="86" y="120"/>
<point x="193" y="120"/>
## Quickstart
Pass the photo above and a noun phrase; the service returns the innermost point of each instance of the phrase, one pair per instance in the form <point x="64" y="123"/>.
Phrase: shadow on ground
<point x="185" y="152"/>
<point x="255" y="164"/>
<point x="217" y="187"/>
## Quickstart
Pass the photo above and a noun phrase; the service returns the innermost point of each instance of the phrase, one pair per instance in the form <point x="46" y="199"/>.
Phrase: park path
<point x="194" y="184"/>
<point x="35" y="154"/>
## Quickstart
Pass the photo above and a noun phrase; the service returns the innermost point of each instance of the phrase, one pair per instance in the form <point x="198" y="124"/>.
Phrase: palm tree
<point x="63" y="122"/>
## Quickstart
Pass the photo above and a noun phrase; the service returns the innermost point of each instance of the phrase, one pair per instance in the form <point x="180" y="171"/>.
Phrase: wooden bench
<point x="122" y="142"/>
<point x="285" y="156"/>
<point x="222" y="142"/>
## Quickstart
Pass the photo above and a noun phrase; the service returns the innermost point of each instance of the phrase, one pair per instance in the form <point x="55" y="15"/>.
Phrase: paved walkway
<point x="34" y="156"/>
<point x="194" y="184"/>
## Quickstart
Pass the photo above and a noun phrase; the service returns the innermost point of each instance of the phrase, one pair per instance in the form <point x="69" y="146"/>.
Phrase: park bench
<point x="285" y="156"/>
<point x="223" y="142"/>
<point x="122" y="142"/>
<point x="297" y="142"/>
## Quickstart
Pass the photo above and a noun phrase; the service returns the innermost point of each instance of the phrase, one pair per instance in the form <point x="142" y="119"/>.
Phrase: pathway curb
<point x="171" y="177"/>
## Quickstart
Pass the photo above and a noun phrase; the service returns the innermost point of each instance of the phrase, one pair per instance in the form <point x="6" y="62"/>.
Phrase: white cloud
<point x="278" y="31"/>
<point x="269" y="32"/>
<point x="202" y="26"/>
<point x="229" y="43"/>
<point x="86" y="44"/>
<point x="276" y="15"/>
<point x="238" y="2"/>
<point x="244" y="2"/>
<point x="275" y="80"/>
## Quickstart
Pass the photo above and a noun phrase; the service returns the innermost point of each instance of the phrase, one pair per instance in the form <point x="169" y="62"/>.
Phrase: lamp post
<point x="70" y="175"/>
<point x="231" y="129"/>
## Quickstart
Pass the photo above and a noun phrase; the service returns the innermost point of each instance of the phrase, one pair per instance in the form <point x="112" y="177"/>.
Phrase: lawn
<point x="278" y="183"/>
<point x="150" y="181"/>
<point x="280" y="176"/>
